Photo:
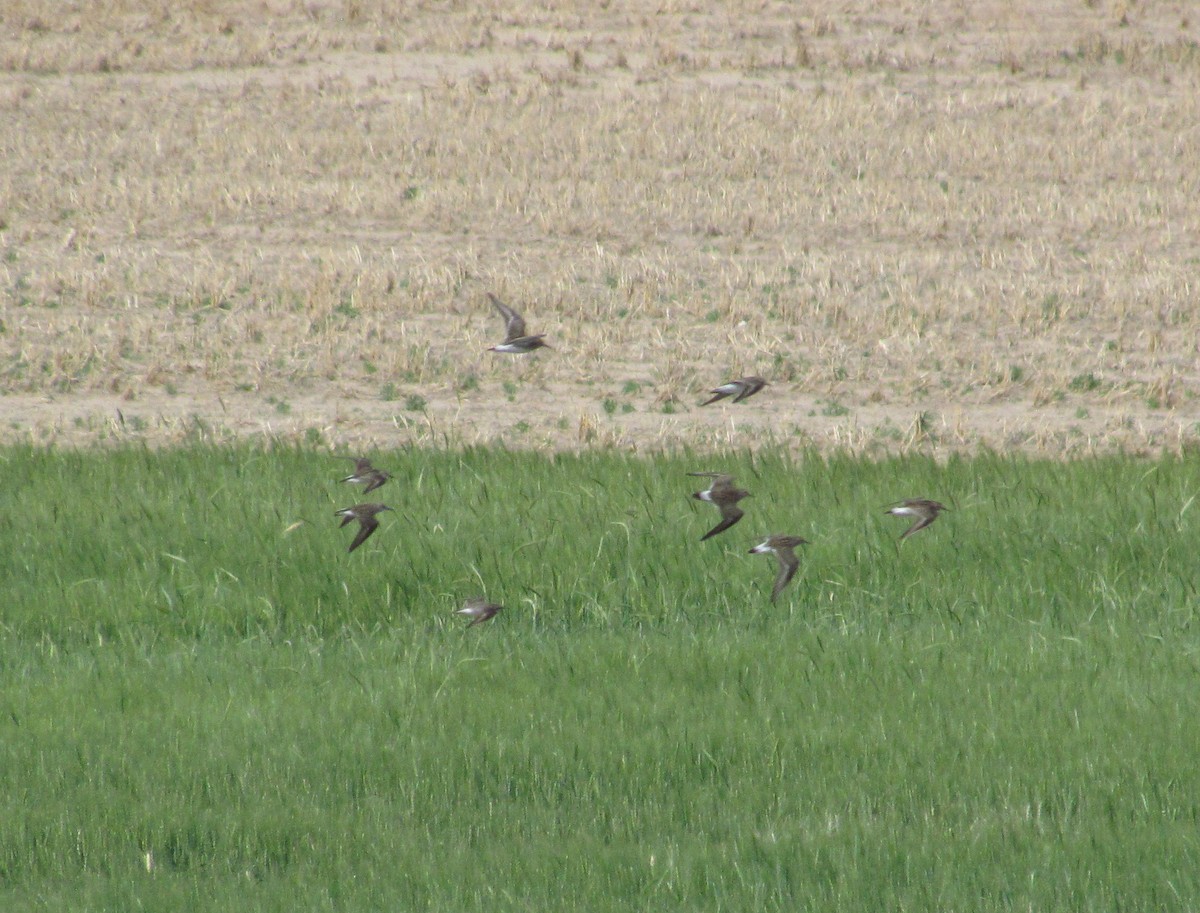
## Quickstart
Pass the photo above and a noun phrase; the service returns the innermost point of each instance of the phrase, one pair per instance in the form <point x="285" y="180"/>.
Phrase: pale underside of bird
<point x="924" y="510"/>
<point x="366" y="475"/>
<point x="516" y="340"/>
<point x="740" y="389"/>
<point x="365" y="514"/>
<point x="783" y="547"/>
<point x="722" y="493"/>
<point x="479" y="610"/>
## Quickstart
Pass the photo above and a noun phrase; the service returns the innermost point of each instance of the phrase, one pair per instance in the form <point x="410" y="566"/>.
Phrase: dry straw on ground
<point x="931" y="225"/>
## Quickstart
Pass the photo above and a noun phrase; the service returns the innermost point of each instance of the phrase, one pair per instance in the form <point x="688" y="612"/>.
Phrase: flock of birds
<point x="721" y="491"/>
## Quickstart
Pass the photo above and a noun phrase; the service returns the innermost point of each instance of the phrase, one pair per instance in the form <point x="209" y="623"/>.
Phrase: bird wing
<point x="722" y="485"/>
<point x="919" y="525"/>
<point x="730" y="514"/>
<point x="723" y="391"/>
<point x="514" y="323"/>
<point x="366" y="526"/>
<point x="484" y="614"/>
<point x="361" y="466"/>
<point x="788" y="562"/>
<point x="374" y="479"/>
<point x="748" y="386"/>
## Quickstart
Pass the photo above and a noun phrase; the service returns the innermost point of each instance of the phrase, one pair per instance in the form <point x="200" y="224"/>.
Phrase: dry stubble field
<point x="932" y="225"/>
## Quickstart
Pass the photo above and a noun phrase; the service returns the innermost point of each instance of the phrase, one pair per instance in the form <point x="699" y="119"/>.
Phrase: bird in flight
<point x="744" y="387"/>
<point x="516" y="342"/>
<point x="783" y="549"/>
<point x="479" y="610"/>
<point x="722" y="493"/>
<point x="365" y="474"/>
<point x="367" y="521"/>
<point x="923" y="509"/>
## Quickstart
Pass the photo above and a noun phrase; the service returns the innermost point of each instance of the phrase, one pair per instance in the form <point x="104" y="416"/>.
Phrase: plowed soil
<point x="933" y="225"/>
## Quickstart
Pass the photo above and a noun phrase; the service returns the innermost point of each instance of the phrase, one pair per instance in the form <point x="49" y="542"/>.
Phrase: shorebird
<point x="367" y="523"/>
<point x="924" y="510"/>
<point x="479" y="610"/>
<point x="515" y="340"/>
<point x="721" y="493"/>
<point x="782" y="547"/>
<point x="744" y="387"/>
<point x="366" y="474"/>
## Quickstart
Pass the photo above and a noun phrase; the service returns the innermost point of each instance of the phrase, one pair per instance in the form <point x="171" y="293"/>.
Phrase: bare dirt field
<point x="931" y="225"/>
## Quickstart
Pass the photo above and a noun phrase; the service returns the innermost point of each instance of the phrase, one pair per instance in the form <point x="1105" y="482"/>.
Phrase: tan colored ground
<point x="930" y="224"/>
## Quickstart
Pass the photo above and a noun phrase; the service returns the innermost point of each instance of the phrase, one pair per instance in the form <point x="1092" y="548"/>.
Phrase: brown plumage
<point x="782" y="547"/>
<point x="923" y="509"/>
<point x="367" y="475"/>
<point x="744" y="387"/>
<point x="722" y="493"/>
<point x="367" y="522"/>
<point x="479" y="610"/>
<point x="516" y="342"/>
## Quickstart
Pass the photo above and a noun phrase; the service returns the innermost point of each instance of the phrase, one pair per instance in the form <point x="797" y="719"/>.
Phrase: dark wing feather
<point x="486" y="613"/>
<point x="749" y="386"/>
<point x="374" y="479"/>
<point x="919" y="525"/>
<point x="730" y="514"/>
<point x="788" y="562"/>
<point x="367" y="525"/>
<point x="514" y="323"/>
<point x="723" y="391"/>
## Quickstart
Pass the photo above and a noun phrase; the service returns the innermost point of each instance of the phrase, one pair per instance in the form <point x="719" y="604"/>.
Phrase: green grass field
<point x="207" y="704"/>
